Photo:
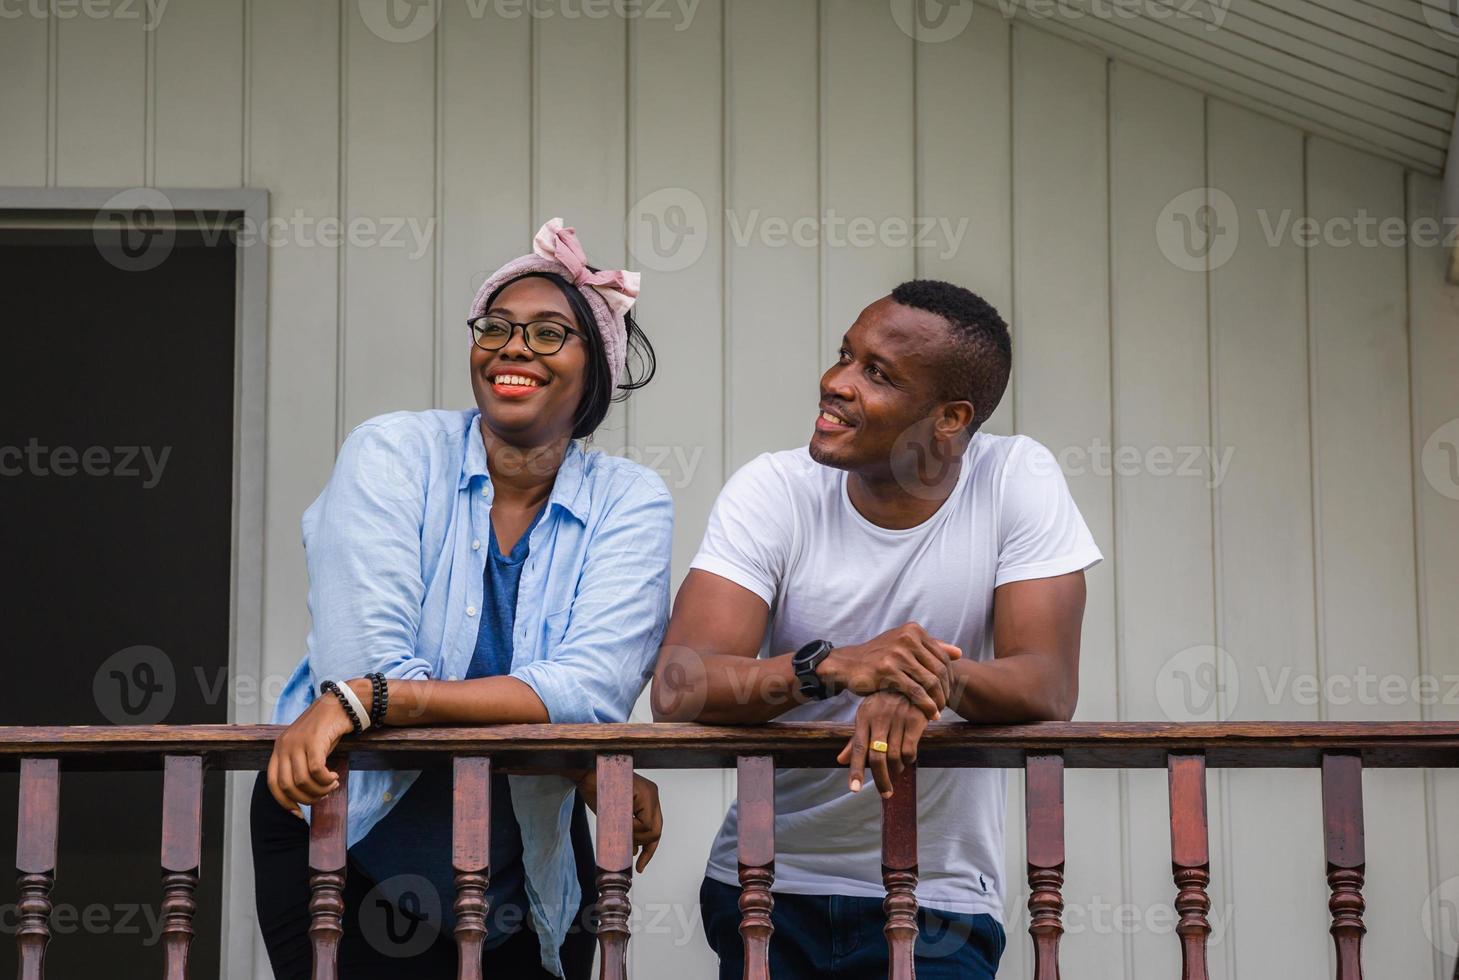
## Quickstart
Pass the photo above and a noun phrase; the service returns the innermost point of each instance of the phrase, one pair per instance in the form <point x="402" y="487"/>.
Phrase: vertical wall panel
<point x="964" y="184"/>
<point x="1061" y="358"/>
<point x="580" y="126"/>
<point x="389" y="363"/>
<point x="1363" y="466"/>
<point x="199" y="95"/>
<point x="1162" y="497"/>
<point x="101" y="101"/>
<point x="1434" y="362"/>
<point x="866" y="163"/>
<point x="1264" y="545"/>
<point x="677" y="177"/>
<point x="677" y="423"/>
<point x="772" y="282"/>
<point x="485" y="171"/>
<point x="294" y="153"/>
<point x="24" y="43"/>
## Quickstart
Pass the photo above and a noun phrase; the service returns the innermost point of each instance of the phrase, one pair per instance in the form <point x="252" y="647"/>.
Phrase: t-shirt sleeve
<point x="751" y="530"/>
<point x="1041" y="532"/>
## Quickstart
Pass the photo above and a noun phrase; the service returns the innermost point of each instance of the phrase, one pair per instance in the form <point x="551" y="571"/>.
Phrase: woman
<point x="465" y="568"/>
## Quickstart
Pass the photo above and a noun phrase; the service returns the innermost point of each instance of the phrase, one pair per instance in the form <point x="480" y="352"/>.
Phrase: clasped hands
<point x="906" y="678"/>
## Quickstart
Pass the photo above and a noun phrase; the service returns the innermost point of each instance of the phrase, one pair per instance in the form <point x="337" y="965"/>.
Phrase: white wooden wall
<point x="1325" y="370"/>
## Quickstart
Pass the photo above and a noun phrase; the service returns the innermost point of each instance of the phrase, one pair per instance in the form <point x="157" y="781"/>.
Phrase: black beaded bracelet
<point x="379" y="697"/>
<point x="344" y="702"/>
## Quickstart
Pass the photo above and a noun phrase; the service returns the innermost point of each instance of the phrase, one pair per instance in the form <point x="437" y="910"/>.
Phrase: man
<point x="904" y="567"/>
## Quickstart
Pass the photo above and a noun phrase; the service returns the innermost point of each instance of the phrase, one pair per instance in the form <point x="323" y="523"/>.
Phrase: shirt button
<point x="483" y="491"/>
<point x="471" y="610"/>
<point x="387" y="797"/>
<point x="476" y="545"/>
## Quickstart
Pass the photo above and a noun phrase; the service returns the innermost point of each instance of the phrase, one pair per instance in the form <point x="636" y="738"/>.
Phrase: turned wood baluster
<point x="757" y="860"/>
<point x="327" y="841"/>
<point x="615" y="862"/>
<point x="470" y="855"/>
<point x="1190" y="859"/>
<point x="35" y="860"/>
<point x="1043" y="781"/>
<point x="182" y="857"/>
<point x="899" y="873"/>
<point x="1342" y="819"/>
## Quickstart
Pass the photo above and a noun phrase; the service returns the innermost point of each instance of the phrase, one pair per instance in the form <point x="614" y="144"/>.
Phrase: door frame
<point x="214" y="210"/>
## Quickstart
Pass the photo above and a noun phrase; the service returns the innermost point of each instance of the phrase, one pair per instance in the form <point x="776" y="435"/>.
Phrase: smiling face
<point x="884" y="389"/>
<point x="529" y="399"/>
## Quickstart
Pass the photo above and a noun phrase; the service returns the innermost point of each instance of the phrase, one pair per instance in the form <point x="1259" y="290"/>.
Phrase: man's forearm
<point x="1012" y="690"/>
<point x="720" y="689"/>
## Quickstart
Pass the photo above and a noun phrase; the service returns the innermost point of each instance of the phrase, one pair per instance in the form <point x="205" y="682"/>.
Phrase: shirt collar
<point x="569" y="490"/>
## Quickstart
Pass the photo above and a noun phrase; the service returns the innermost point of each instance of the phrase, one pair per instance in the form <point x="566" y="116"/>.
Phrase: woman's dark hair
<point x="598" y="393"/>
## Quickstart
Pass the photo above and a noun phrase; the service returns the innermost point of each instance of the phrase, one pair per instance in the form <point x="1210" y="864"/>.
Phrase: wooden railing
<point x="1043" y="751"/>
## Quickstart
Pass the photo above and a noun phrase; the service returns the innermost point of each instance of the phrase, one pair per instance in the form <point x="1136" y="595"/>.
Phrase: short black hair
<point x="639" y="365"/>
<point x="980" y="355"/>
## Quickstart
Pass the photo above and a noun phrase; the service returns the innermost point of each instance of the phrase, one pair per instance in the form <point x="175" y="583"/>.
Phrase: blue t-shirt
<point x="413" y="841"/>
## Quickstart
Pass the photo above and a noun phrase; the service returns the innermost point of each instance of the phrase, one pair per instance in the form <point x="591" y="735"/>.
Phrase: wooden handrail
<point x="1083" y="745"/>
<point x="1185" y="750"/>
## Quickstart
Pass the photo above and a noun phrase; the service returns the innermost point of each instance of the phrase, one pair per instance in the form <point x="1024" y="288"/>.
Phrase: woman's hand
<point x="297" y="773"/>
<point x="884" y="717"/>
<point x="648" y="819"/>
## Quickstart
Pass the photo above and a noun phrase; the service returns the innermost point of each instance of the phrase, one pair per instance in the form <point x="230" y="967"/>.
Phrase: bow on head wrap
<point x="610" y="294"/>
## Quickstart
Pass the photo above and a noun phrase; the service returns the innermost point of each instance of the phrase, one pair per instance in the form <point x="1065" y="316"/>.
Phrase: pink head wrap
<point x="609" y="294"/>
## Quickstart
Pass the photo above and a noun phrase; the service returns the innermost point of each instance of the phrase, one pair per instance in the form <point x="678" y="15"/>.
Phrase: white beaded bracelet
<point x="356" y="703"/>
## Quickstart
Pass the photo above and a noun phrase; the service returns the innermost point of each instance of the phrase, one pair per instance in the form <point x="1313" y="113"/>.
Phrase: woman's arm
<point x="299" y="773"/>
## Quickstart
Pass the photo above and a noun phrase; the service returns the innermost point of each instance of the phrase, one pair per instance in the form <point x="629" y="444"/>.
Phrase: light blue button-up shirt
<point x="396" y="548"/>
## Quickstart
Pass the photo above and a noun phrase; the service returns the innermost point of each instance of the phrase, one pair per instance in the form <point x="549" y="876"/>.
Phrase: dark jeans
<point x="382" y="940"/>
<point x="820" y="936"/>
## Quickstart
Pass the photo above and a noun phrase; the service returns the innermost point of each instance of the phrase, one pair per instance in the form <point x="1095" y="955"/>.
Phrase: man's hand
<point x="886" y="717"/>
<point x="648" y="819"/>
<point x="905" y="660"/>
<point x="297" y="773"/>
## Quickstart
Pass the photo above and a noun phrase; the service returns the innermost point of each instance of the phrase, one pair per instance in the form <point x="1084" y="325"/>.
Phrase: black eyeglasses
<point x="543" y="336"/>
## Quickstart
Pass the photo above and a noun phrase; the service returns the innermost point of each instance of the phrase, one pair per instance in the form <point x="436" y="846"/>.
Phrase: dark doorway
<point x="116" y="511"/>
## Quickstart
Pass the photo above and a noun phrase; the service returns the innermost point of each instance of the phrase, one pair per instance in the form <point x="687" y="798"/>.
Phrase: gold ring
<point x="879" y="746"/>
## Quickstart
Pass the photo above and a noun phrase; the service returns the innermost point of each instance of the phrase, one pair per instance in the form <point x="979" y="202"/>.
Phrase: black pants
<point x="281" y="887"/>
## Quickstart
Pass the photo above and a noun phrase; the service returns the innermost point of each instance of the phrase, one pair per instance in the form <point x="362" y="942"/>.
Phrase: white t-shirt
<point x="784" y="528"/>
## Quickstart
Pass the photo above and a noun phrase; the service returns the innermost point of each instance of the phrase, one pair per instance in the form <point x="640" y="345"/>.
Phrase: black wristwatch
<point x="805" y="661"/>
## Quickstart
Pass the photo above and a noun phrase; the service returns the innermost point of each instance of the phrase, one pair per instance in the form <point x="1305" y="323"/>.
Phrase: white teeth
<point x="516" y="379"/>
<point x="833" y="419"/>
